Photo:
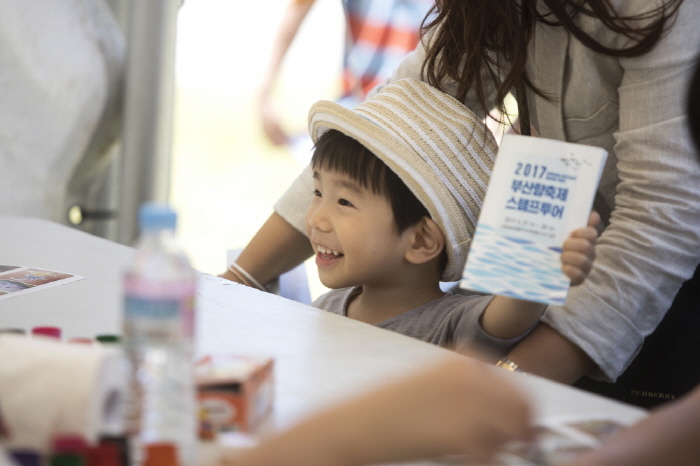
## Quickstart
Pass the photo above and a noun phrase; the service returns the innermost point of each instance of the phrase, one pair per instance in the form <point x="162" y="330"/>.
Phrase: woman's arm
<point x="280" y="244"/>
<point x="507" y="318"/>
<point x="547" y="353"/>
<point x="652" y="242"/>
<point x="276" y="248"/>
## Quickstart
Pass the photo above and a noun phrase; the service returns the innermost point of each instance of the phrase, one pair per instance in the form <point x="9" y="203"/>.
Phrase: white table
<point x="319" y="357"/>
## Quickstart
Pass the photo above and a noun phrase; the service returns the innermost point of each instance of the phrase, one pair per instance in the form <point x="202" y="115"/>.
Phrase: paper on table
<point x="560" y="441"/>
<point x="540" y="191"/>
<point x="557" y="441"/>
<point x="16" y="280"/>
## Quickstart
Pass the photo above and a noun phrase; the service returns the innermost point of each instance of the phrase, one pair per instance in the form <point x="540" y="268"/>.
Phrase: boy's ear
<point x="427" y="243"/>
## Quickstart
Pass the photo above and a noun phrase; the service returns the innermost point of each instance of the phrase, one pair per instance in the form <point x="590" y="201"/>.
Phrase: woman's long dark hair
<point x="475" y="40"/>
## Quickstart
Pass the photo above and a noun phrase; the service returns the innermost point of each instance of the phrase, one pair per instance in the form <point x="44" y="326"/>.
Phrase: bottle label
<point x="164" y="312"/>
<point x="152" y="309"/>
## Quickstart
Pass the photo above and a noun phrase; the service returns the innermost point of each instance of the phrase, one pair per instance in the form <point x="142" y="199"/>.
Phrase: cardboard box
<point x="235" y="393"/>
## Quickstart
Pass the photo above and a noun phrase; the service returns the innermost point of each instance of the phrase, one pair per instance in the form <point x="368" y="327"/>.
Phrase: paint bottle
<point x="51" y="332"/>
<point x="103" y="454"/>
<point x="81" y="341"/>
<point x="25" y="457"/>
<point x="121" y="444"/>
<point x="108" y="339"/>
<point x="68" y="450"/>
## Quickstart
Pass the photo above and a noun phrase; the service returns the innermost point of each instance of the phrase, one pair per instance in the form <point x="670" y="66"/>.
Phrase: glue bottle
<point x="159" y="291"/>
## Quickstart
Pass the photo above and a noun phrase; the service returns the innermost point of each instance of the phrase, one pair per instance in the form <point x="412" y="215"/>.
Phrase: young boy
<point x="398" y="185"/>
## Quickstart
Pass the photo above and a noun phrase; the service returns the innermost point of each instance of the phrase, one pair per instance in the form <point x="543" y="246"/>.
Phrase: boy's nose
<point x="317" y="219"/>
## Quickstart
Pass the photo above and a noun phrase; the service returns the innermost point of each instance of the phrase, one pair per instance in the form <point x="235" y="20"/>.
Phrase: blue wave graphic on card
<point x="520" y="269"/>
<point x="540" y="191"/>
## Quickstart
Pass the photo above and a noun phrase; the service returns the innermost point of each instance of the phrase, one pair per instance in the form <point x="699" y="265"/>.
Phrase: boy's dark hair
<point x="341" y="153"/>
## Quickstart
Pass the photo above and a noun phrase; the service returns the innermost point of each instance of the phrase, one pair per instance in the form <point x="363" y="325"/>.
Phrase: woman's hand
<point x="460" y="406"/>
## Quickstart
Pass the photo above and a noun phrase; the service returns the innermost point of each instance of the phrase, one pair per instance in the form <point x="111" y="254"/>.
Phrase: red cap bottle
<point x="161" y="454"/>
<point x="68" y="450"/>
<point x="53" y="332"/>
<point x="104" y="454"/>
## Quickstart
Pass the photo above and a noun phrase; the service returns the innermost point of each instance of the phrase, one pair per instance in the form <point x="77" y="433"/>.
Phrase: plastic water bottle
<point x="159" y="292"/>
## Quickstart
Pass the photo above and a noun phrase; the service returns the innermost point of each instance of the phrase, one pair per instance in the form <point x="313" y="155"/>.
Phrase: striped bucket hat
<point x="439" y="149"/>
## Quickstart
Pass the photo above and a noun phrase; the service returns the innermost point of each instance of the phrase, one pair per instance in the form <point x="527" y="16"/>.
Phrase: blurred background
<point x="102" y="80"/>
<point x="225" y="174"/>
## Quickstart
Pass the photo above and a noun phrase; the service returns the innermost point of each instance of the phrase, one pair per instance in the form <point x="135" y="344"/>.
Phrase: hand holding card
<point x="540" y="191"/>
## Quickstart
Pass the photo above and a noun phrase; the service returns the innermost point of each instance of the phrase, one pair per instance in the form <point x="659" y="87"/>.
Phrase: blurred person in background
<point x="378" y="35"/>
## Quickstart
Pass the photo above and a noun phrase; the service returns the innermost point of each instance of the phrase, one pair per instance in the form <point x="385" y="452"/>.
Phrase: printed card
<point x="16" y="280"/>
<point x="540" y="191"/>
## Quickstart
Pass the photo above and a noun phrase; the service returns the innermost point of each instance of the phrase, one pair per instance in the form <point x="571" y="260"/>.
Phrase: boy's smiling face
<point x="353" y="233"/>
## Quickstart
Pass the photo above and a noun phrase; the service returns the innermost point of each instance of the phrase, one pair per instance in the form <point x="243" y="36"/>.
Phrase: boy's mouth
<point x="328" y="254"/>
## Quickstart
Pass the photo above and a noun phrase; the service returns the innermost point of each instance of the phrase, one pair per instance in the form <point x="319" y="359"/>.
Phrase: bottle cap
<point x="53" y="332"/>
<point x="67" y="443"/>
<point x="26" y="457"/>
<point x="12" y="331"/>
<point x="161" y="454"/>
<point x="81" y="340"/>
<point x="68" y="459"/>
<point x="108" y="339"/>
<point x="103" y="454"/>
<point x="68" y="450"/>
<point x="121" y="443"/>
<point x="157" y="216"/>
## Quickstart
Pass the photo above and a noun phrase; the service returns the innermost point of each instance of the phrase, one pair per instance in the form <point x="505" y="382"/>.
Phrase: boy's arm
<point x="507" y="318"/>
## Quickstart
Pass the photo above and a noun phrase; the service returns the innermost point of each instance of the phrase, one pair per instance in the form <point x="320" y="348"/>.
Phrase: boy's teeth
<point x="325" y="250"/>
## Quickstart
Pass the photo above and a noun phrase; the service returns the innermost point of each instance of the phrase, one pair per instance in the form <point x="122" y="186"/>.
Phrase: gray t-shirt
<point x="451" y="321"/>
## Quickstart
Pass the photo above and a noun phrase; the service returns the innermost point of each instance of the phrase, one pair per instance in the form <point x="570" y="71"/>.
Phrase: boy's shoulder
<point x="453" y="305"/>
<point x="448" y="311"/>
<point x="335" y="301"/>
<point x="444" y="321"/>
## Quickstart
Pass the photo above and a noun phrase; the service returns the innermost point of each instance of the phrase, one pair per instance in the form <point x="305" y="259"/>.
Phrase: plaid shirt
<point x="379" y="35"/>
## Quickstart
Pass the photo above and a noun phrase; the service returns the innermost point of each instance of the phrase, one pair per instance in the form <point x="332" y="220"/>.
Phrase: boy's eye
<point x="317" y="193"/>
<point x="344" y="202"/>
